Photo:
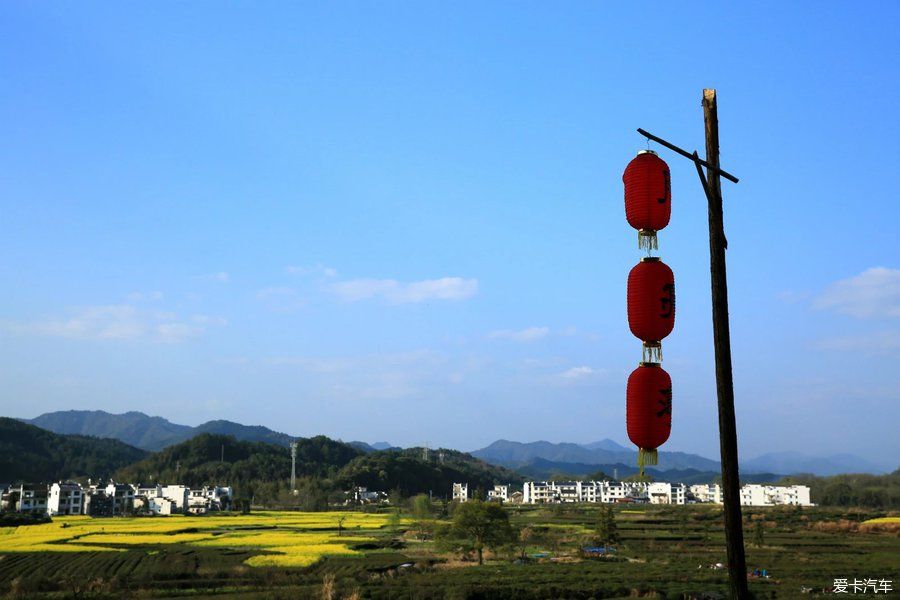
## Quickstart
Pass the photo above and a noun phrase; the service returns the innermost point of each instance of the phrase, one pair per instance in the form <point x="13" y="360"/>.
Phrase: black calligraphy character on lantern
<point x="665" y="402"/>
<point x="668" y="179"/>
<point x="667" y="301"/>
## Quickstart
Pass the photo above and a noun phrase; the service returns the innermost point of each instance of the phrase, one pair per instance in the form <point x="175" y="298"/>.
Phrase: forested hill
<point x="213" y="458"/>
<point x="412" y="473"/>
<point x="133" y="428"/>
<point x="31" y="454"/>
<point x="149" y="433"/>
<point x="263" y="470"/>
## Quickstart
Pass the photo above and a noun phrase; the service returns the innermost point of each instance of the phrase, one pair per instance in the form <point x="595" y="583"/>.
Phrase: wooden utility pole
<point x="734" y="532"/>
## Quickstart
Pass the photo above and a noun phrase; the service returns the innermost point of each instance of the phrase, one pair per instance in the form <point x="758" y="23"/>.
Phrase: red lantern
<point x="649" y="410"/>
<point x="648" y="196"/>
<point x="651" y="304"/>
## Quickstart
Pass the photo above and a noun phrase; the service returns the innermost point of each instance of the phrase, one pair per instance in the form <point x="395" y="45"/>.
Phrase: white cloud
<point x="393" y="291"/>
<point x="317" y="269"/>
<point x="117" y="322"/>
<point x="578" y="373"/>
<point x="529" y="334"/>
<point x="873" y="293"/>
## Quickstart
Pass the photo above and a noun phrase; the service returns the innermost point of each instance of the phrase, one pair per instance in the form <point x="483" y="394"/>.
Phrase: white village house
<point x="461" y="492"/>
<point x="68" y="498"/>
<point x="65" y="499"/>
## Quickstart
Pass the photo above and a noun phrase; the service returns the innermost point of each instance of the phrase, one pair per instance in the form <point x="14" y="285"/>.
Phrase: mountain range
<point x="605" y="452"/>
<point x="146" y="432"/>
<point x="532" y="459"/>
<point x="540" y="458"/>
<point x="260" y="470"/>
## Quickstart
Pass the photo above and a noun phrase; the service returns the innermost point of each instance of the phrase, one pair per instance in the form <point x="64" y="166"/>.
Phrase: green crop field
<point x="664" y="552"/>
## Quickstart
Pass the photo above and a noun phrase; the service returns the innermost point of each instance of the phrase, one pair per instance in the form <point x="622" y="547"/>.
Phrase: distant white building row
<point x="608" y="492"/>
<point x="67" y="498"/>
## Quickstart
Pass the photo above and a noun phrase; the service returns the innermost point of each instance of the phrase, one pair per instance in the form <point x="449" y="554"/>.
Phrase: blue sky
<point x="405" y="222"/>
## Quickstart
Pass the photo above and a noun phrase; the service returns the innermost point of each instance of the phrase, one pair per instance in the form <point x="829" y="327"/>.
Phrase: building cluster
<point x="362" y="495"/>
<point x="609" y="492"/>
<point x="68" y="498"/>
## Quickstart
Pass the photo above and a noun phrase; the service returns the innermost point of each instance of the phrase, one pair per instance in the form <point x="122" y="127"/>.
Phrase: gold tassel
<point x="646" y="457"/>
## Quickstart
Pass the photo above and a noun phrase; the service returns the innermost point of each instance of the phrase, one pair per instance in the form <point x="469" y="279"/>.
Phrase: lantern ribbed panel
<point x="649" y="408"/>
<point x="648" y="192"/>
<point x="651" y="300"/>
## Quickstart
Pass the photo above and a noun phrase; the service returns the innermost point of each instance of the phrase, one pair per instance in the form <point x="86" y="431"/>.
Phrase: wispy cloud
<point x="339" y="364"/>
<point x="317" y="269"/>
<point x="578" y="373"/>
<point x="529" y="334"/>
<point x="880" y="342"/>
<point x="117" y="322"/>
<point x="220" y="277"/>
<point x="396" y="292"/>
<point x="383" y="376"/>
<point x="873" y="293"/>
<point x="145" y="296"/>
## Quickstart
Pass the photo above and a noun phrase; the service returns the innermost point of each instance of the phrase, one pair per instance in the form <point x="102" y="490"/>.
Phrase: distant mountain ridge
<point x="255" y="469"/>
<point x="133" y="428"/>
<point x="377" y="446"/>
<point x="517" y="454"/>
<point x="146" y="432"/>
<point x="542" y="457"/>
<point x="156" y="433"/>
<point x="606" y="444"/>
<point x="797" y="462"/>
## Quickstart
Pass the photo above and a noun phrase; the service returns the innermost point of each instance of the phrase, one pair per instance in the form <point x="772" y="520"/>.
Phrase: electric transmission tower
<point x="293" y="466"/>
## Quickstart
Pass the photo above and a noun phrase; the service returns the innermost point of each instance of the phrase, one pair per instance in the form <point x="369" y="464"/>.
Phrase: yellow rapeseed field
<point x="289" y="539"/>
<point x="882" y="521"/>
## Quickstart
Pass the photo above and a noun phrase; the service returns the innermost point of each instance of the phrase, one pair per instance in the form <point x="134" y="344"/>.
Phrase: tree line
<point x="853" y="490"/>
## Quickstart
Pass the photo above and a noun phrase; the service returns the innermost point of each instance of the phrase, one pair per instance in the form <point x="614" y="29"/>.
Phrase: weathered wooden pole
<point x="734" y="532"/>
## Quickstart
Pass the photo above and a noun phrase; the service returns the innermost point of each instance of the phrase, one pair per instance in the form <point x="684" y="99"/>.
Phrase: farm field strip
<point x="284" y="539"/>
